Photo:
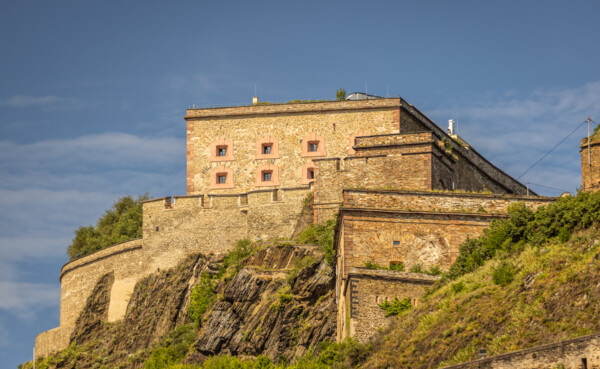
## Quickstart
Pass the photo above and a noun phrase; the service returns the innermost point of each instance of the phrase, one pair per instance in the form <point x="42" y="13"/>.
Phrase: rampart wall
<point x="590" y="173"/>
<point x="411" y="162"/>
<point x="359" y="314"/>
<point x="172" y="228"/>
<point x="576" y="353"/>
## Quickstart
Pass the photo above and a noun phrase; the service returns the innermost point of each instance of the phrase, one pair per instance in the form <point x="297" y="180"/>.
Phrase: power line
<point x="552" y="188"/>
<point x="554" y="148"/>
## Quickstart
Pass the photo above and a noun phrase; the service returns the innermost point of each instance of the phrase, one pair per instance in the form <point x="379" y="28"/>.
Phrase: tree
<point x="340" y="94"/>
<point x="121" y="223"/>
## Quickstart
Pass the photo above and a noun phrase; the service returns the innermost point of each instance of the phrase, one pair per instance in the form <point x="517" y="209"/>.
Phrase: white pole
<point x="33" y="357"/>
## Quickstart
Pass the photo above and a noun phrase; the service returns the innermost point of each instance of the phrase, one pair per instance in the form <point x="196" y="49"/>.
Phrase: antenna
<point x="255" y="89"/>
<point x="388" y="91"/>
<point x="366" y="89"/>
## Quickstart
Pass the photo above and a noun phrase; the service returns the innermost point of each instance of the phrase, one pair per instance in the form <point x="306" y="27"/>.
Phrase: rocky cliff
<point x="279" y="302"/>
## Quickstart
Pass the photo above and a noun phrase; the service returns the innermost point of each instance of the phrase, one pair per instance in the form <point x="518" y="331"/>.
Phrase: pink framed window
<point x="313" y="145"/>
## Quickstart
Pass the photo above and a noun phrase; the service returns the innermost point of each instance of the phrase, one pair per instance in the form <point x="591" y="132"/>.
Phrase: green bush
<point x="243" y="248"/>
<point x="121" y="223"/>
<point x="201" y="297"/>
<point x="417" y="268"/>
<point x="399" y="267"/>
<point x="373" y="265"/>
<point x="340" y="94"/>
<point x="503" y="274"/>
<point x="322" y="235"/>
<point x="346" y="354"/>
<point x="396" y="306"/>
<point x="434" y="270"/>
<point x="172" y="348"/>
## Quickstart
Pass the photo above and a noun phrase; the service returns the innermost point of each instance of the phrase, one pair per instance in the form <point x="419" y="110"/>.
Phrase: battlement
<point x="387" y="140"/>
<point x="294" y="108"/>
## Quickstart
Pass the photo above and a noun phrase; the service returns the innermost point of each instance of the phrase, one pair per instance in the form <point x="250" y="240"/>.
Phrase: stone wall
<point x="415" y="227"/>
<point x="577" y="353"/>
<point x="359" y="314"/>
<point x="52" y="340"/>
<point x="416" y="161"/>
<point x="590" y="172"/>
<point x="78" y="278"/>
<point x="291" y="125"/>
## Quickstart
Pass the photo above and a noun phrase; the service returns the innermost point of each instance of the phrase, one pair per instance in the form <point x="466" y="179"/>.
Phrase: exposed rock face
<point x="261" y="314"/>
<point x="271" y="307"/>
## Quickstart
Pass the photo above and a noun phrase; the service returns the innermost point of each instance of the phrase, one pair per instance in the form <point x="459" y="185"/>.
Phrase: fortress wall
<point x="79" y="277"/>
<point x="408" y="172"/>
<point x="590" y="173"/>
<point x="173" y="230"/>
<point x="439" y="201"/>
<point x="413" y="238"/>
<point x="52" y="341"/>
<point x="359" y="314"/>
<point x="274" y="214"/>
<point x="570" y="353"/>
<point x="290" y="125"/>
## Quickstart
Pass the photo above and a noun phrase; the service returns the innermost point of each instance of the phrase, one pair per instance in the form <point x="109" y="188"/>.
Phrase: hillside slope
<point x="540" y="285"/>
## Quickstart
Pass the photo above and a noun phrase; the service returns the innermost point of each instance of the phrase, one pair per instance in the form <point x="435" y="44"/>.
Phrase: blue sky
<point x="92" y="95"/>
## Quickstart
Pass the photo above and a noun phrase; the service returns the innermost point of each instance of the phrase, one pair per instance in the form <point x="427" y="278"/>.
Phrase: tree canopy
<point x="123" y="222"/>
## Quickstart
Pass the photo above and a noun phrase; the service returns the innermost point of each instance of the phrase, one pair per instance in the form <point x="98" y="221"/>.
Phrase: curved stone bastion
<point x="173" y="227"/>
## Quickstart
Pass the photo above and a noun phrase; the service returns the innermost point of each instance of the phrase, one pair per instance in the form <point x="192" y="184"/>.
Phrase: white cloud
<point x="22" y="298"/>
<point x="514" y="131"/>
<point x="49" y="102"/>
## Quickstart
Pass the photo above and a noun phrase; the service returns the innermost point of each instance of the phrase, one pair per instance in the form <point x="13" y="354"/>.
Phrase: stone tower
<point x="590" y="163"/>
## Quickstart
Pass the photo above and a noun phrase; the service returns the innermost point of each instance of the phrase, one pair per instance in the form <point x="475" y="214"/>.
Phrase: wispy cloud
<point x="22" y="298"/>
<point x="50" y="102"/>
<point x="514" y="130"/>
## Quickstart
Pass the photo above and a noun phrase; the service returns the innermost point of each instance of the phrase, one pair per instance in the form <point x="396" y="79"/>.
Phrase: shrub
<point x="417" y="268"/>
<point x="399" y="267"/>
<point x="340" y="94"/>
<point x="396" y="306"/>
<point x="322" y="235"/>
<point x="243" y="248"/>
<point x="346" y="354"/>
<point x="434" y="270"/>
<point x="372" y="265"/>
<point x="503" y="274"/>
<point x="201" y="297"/>
<point x="121" y="223"/>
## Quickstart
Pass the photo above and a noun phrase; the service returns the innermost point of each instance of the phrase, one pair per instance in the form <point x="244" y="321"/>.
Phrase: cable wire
<point x="552" y="188"/>
<point x="554" y="148"/>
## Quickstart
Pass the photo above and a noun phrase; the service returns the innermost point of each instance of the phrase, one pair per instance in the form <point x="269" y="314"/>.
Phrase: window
<point x="308" y="173"/>
<point x="221" y="150"/>
<point x="267" y="148"/>
<point x="311" y="173"/>
<point x="221" y="177"/>
<point x="313" y="145"/>
<point x="267" y="175"/>
<point x="396" y="243"/>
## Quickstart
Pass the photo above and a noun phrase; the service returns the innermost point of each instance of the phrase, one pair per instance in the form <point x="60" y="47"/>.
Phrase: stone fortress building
<point x="402" y="189"/>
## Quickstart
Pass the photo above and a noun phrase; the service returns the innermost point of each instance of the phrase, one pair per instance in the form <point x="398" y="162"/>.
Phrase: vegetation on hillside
<point x="322" y="235"/>
<point x="121" y="223"/>
<point x="523" y="283"/>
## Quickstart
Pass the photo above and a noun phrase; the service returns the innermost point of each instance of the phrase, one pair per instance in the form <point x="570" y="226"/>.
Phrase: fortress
<point x="402" y="189"/>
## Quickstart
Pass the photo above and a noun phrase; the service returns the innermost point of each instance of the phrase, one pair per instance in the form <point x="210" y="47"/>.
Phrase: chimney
<point x="255" y="100"/>
<point x="451" y="127"/>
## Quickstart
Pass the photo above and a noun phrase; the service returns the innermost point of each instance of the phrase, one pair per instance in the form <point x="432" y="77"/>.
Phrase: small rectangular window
<point x="311" y="174"/>
<point x="313" y="146"/>
<point x="396" y="243"/>
<point x="267" y="176"/>
<point x="222" y="178"/>
<point x="267" y="149"/>
<point x="222" y="151"/>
